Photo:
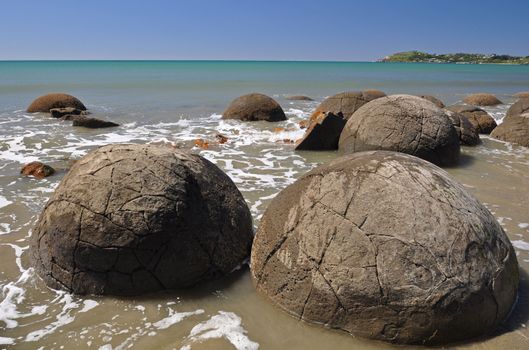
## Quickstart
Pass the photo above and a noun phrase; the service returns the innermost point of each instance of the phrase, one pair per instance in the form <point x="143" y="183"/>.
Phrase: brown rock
<point x="433" y="100"/>
<point x="481" y="120"/>
<point x="55" y="100"/>
<point x="523" y="94"/>
<point x="386" y="246"/>
<point x="61" y="112"/>
<point x="515" y="125"/>
<point x="132" y="219"/>
<point x="221" y="138"/>
<point x="323" y="133"/>
<point x="482" y="99"/>
<point x="468" y="134"/>
<point x="201" y="143"/>
<point x="298" y="98"/>
<point x="402" y="123"/>
<point x="254" y="107"/>
<point x="37" y="169"/>
<point x="343" y="104"/>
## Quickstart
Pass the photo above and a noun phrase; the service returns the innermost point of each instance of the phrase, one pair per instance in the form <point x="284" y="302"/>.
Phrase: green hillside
<point x="418" y="56"/>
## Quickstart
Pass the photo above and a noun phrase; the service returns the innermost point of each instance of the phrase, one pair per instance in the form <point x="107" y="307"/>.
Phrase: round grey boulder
<point x="132" y="219"/>
<point x="515" y="125"/>
<point x="254" y="107"/>
<point x="386" y="246"/>
<point x="402" y="123"/>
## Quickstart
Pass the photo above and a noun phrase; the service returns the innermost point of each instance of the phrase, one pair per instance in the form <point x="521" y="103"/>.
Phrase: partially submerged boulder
<point x="345" y="103"/>
<point x="131" y="219"/>
<point x="298" y="98"/>
<point x="433" y="100"/>
<point x="55" y="100"/>
<point x="89" y="122"/>
<point x="468" y="134"/>
<point x="402" y="123"/>
<point x="371" y="94"/>
<point x="323" y="133"/>
<point x="254" y="107"/>
<point x="482" y="99"/>
<point x="515" y="125"/>
<point x="386" y="246"/>
<point x="37" y="169"/>
<point x="481" y="120"/>
<point x="61" y="112"/>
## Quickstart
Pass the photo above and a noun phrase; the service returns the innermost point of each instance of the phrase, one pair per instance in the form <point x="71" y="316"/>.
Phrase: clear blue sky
<point x="258" y="30"/>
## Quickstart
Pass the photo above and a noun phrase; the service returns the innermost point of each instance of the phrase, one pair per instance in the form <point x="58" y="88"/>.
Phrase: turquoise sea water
<point x="176" y="102"/>
<point x="209" y="85"/>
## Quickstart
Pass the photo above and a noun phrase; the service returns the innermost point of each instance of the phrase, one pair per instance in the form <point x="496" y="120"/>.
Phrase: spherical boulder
<point x="131" y="219"/>
<point x="433" y="100"/>
<point x="298" y="98"/>
<point x="345" y="103"/>
<point x="523" y="94"/>
<point x="468" y="134"/>
<point x="481" y="120"/>
<point x="402" y="123"/>
<point x="371" y="94"/>
<point x="387" y="246"/>
<point x="515" y="125"/>
<point x="254" y="107"/>
<point x="482" y="99"/>
<point x="55" y="100"/>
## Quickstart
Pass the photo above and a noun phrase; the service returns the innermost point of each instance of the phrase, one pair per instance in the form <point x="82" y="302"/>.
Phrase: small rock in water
<point x="201" y="143"/>
<point x="254" y="107"/>
<point x="37" y="169"/>
<point x="481" y="120"/>
<point x="482" y="99"/>
<point x="221" y="138"/>
<point x="89" y="122"/>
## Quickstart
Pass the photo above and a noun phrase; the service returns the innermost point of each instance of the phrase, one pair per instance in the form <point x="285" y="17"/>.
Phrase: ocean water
<point x="176" y="103"/>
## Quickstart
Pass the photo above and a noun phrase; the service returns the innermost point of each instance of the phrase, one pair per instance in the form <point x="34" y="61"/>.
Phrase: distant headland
<point x="475" y="58"/>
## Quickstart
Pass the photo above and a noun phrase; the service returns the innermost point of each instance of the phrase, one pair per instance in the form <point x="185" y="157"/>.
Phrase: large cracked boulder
<point x="386" y="246"/>
<point x="481" y="120"/>
<point x="402" y="123"/>
<point x="55" y="100"/>
<point x="468" y="134"/>
<point x="482" y="99"/>
<point x="515" y="125"/>
<point x="254" y="107"/>
<point x="131" y="219"/>
<point x="346" y="103"/>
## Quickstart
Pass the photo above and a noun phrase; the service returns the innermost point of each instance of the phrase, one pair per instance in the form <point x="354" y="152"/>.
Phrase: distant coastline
<point x="462" y="58"/>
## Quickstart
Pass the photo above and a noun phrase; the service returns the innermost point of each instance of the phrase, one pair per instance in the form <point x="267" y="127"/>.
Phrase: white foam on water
<point x="174" y="318"/>
<point x="520" y="244"/>
<point x="7" y="341"/>
<point x="4" y="202"/>
<point x="523" y="225"/>
<point x="88" y="305"/>
<point x="225" y="325"/>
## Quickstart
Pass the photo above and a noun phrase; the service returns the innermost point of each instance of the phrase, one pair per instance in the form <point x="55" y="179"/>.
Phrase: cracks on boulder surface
<point x="74" y="253"/>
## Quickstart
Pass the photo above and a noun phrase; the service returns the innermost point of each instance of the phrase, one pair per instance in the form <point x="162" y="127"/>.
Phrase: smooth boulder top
<point x="132" y="219"/>
<point x="467" y="132"/>
<point x="433" y="100"/>
<point x="523" y="94"/>
<point x="371" y="94"/>
<point x="481" y="120"/>
<point x="515" y="125"/>
<point x="386" y="246"/>
<point x="55" y="100"/>
<point x="254" y="107"/>
<point x="482" y="99"/>
<point x="402" y="123"/>
<point x="345" y="103"/>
